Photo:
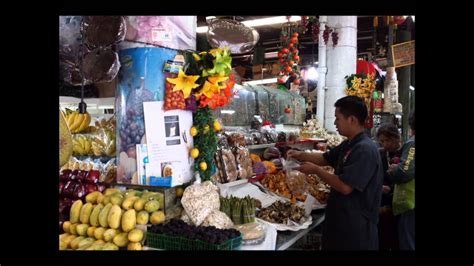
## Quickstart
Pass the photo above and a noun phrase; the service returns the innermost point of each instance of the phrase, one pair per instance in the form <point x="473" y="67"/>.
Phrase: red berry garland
<point x="289" y="57"/>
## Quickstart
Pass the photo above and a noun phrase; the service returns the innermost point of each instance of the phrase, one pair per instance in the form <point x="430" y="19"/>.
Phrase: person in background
<point x="352" y="210"/>
<point x="389" y="139"/>
<point x="403" y="176"/>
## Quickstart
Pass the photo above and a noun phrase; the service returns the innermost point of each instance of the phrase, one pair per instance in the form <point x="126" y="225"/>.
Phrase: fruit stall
<point x="182" y="157"/>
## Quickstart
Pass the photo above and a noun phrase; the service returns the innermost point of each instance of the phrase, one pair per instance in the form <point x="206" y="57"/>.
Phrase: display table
<point x="286" y="239"/>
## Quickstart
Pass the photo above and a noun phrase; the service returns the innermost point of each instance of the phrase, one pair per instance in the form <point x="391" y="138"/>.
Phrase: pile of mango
<point x="109" y="221"/>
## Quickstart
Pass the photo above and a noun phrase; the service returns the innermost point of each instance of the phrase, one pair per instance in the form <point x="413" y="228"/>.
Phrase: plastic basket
<point x="166" y="242"/>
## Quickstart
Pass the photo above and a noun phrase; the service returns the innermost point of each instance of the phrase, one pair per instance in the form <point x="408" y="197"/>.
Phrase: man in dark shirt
<point x="356" y="185"/>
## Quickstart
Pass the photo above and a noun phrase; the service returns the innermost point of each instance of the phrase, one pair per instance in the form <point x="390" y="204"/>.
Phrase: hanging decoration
<point x="315" y="28"/>
<point x="361" y="85"/>
<point x="207" y="83"/>
<point x="288" y="55"/>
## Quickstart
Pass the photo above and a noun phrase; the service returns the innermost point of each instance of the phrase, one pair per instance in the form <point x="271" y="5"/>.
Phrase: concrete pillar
<point x="341" y="62"/>
<point x="404" y="86"/>
<point x="322" y="70"/>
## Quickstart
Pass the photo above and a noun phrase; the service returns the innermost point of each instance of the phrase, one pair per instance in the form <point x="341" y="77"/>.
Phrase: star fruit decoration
<point x="184" y="83"/>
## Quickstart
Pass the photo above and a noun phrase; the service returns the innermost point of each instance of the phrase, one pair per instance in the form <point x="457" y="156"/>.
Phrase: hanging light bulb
<point x="312" y="74"/>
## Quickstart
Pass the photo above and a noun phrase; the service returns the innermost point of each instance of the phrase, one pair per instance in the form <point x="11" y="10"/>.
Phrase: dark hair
<point x="389" y="130"/>
<point x="352" y="105"/>
<point x="411" y="120"/>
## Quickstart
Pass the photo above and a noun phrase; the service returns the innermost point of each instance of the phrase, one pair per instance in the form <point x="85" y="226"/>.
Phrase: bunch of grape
<point x="326" y="33"/>
<point x="335" y="38"/>
<point x="315" y="31"/>
<point x="304" y="24"/>
<point x="131" y="130"/>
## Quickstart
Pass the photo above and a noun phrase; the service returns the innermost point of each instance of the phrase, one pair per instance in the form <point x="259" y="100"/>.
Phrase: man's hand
<point x="307" y="168"/>
<point x="294" y="154"/>
<point x="385" y="189"/>
<point x="392" y="167"/>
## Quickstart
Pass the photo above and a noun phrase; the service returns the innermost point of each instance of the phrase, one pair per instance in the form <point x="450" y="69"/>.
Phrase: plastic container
<point x="166" y="242"/>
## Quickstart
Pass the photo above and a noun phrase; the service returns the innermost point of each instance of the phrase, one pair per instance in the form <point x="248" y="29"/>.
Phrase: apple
<point x="64" y="175"/>
<point x="81" y="176"/>
<point x="61" y="187"/>
<point x="73" y="175"/>
<point x="92" y="177"/>
<point x="90" y="188"/>
<point x="79" y="192"/>
<point x="69" y="188"/>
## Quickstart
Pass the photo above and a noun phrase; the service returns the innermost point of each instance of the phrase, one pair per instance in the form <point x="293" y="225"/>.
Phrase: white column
<point x="341" y="61"/>
<point x="322" y="70"/>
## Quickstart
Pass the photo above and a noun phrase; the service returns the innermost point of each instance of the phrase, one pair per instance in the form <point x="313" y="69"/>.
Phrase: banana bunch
<point x="81" y="145"/>
<point x="76" y="121"/>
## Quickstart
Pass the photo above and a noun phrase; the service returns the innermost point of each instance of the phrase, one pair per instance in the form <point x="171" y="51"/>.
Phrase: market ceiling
<point x="270" y="39"/>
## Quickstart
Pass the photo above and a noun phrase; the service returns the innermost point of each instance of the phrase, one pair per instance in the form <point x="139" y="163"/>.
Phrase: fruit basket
<point x="166" y="242"/>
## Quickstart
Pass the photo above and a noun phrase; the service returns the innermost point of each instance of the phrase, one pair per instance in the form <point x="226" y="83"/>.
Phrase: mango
<point x="66" y="226"/>
<point x="86" y="213"/>
<point x="152" y="206"/>
<point x="90" y="231"/>
<point x="113" y="218"/>
<point x="128" y="203"/>
<point x="142" y="217"/>
<point x="92" y="197"/>
<point x="99" y="232"/>
<point x="75" y="211"/>
<point x="157" y="217"/>
<point x="129" y="220"/>
<point x="139" y="204"/>
<point x="104" y="213"/>
<point x="134" y="246"/>
<point x="136" y="235"/>
<point x="121" y="240"/>
<point x="94" y="218"/>
<point x="109" y="234"/>
<point x="82" y="229"/>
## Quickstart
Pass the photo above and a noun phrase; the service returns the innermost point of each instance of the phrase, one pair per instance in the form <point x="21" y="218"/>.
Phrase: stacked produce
<point x="98" y="140"/>
<point x="318" y="188"/>
<point x="241" y="210"/>
<point x="76" y="121"/>
<point x="108" y="221"/>
<point x="107" y="169"/>
<point x="74" y="184"/>
<point x="178" y="235"/>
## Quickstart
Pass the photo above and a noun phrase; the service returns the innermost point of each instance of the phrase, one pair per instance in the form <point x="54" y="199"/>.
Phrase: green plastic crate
<point x="166" y="242"/>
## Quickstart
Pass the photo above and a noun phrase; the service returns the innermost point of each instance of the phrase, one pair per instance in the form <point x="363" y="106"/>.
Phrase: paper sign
<point x="168" y="143"/>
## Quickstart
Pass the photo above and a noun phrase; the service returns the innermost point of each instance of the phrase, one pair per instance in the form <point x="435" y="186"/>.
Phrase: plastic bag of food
<point x="236" y="139"/>
<point x="230" y="166"/>
<point x="103" y="31"/>
<point x="244" y="162"/>
<point x="218" y="219"/>
<point x="297" y="184"/>
<point x="199" y="200"/>
<point x="173" y="99"/>
<point x="101" y="66"/>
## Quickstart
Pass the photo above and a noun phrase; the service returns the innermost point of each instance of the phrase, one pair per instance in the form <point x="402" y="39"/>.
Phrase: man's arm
<point x="333" y="180"/>
<point x="315" y="158"/>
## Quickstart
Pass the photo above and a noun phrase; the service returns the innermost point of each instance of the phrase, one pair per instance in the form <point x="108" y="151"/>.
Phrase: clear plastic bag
<point x="295" y="179"/>
<point x="103" y="31"/>
<point x="101" y="66"/>
<point x="244" y="163"/>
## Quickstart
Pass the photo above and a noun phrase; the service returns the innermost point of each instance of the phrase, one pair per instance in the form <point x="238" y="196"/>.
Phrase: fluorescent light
<point x="412" y="88"/>
<point x="270" y="21"/>
<point x="271" y="55"/>
<point x="259" y="22"/>
<point x="262" y="81"/>
<point x="312" y="74"/>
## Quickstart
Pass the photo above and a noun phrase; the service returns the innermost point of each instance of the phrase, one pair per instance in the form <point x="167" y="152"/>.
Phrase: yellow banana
<point x="70" y="119"/>
<point x="79" y="118"/>
<point x="85" y="123"/>
<point x="87" y="147"/>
